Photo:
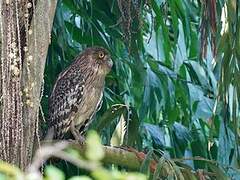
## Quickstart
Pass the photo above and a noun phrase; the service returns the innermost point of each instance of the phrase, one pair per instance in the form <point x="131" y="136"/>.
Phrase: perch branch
<point x="129" y="158"/>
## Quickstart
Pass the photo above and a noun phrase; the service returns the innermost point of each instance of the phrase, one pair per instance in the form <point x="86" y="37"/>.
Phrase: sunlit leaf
<point x="54" y="173"/>
<point x="94" y="151"/>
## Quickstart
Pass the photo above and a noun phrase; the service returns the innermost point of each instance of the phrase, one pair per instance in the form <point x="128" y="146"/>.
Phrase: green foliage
<point x="8" y="171"/>
<point x="94" y="149"/>
<point x="94" y="154"/>
<point x="170" y="97"/>
<point x="53" y="173"/>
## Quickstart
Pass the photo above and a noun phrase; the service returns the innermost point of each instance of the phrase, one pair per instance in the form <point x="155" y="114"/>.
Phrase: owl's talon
<point x="81" y="140"/>
<point x="77" y="136"/>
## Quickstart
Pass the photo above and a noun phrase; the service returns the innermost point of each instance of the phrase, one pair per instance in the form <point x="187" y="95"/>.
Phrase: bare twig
<point x="57" y="150"/>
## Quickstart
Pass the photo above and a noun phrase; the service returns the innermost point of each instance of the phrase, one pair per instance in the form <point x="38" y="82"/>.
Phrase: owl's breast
<point x="91" y="99"/>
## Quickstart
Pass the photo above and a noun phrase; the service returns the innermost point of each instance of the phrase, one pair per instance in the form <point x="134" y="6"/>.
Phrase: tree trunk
<point x="25" y="28"/>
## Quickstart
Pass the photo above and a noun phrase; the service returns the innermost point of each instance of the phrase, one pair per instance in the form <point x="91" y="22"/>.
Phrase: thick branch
<point x="115" y="155"/>
<point x="133" y="160"/>
<point x="130" y="159"/>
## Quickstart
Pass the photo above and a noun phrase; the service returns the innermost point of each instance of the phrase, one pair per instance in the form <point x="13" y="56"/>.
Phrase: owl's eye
<point x="101" y="55"/>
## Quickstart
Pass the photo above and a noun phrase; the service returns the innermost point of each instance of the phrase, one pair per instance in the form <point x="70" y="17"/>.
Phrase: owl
<point x="77" y="93"/>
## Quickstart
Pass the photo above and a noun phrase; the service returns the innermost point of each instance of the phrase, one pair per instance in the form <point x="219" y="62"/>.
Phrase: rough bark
<point x="23" y="53"/>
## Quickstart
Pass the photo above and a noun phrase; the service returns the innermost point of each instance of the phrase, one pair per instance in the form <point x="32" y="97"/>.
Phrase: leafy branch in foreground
<point x="92" y="157"/>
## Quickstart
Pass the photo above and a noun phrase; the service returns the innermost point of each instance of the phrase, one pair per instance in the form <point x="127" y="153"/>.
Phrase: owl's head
<point x="99" y="59"/>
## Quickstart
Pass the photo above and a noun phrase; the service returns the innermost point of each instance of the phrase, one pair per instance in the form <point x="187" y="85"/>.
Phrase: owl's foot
<point x="77" y="136"/>
<point x="81" y="139"/>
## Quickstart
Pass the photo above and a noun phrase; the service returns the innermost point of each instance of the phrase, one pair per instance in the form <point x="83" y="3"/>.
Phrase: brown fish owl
<point x="77" y="93"/>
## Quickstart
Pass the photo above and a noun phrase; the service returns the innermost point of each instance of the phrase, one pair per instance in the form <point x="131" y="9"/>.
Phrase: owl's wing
<point x="66" y="95"/>
<point x="86" y="124"/>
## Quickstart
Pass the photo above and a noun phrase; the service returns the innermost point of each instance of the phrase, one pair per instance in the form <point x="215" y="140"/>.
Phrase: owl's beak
<point x="109" y="63"/>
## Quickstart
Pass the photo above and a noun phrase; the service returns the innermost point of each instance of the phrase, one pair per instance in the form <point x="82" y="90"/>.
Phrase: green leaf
<point x="145" y="166"/>
<point x="53" y="173"/>
<point x="133" y="128"/>
<point x="80" y="178"/>
<point x="157" y="173"/>
<point x="102" y="174"/>
<point x="109" y="116"/>
<point x="94" y="150"/>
